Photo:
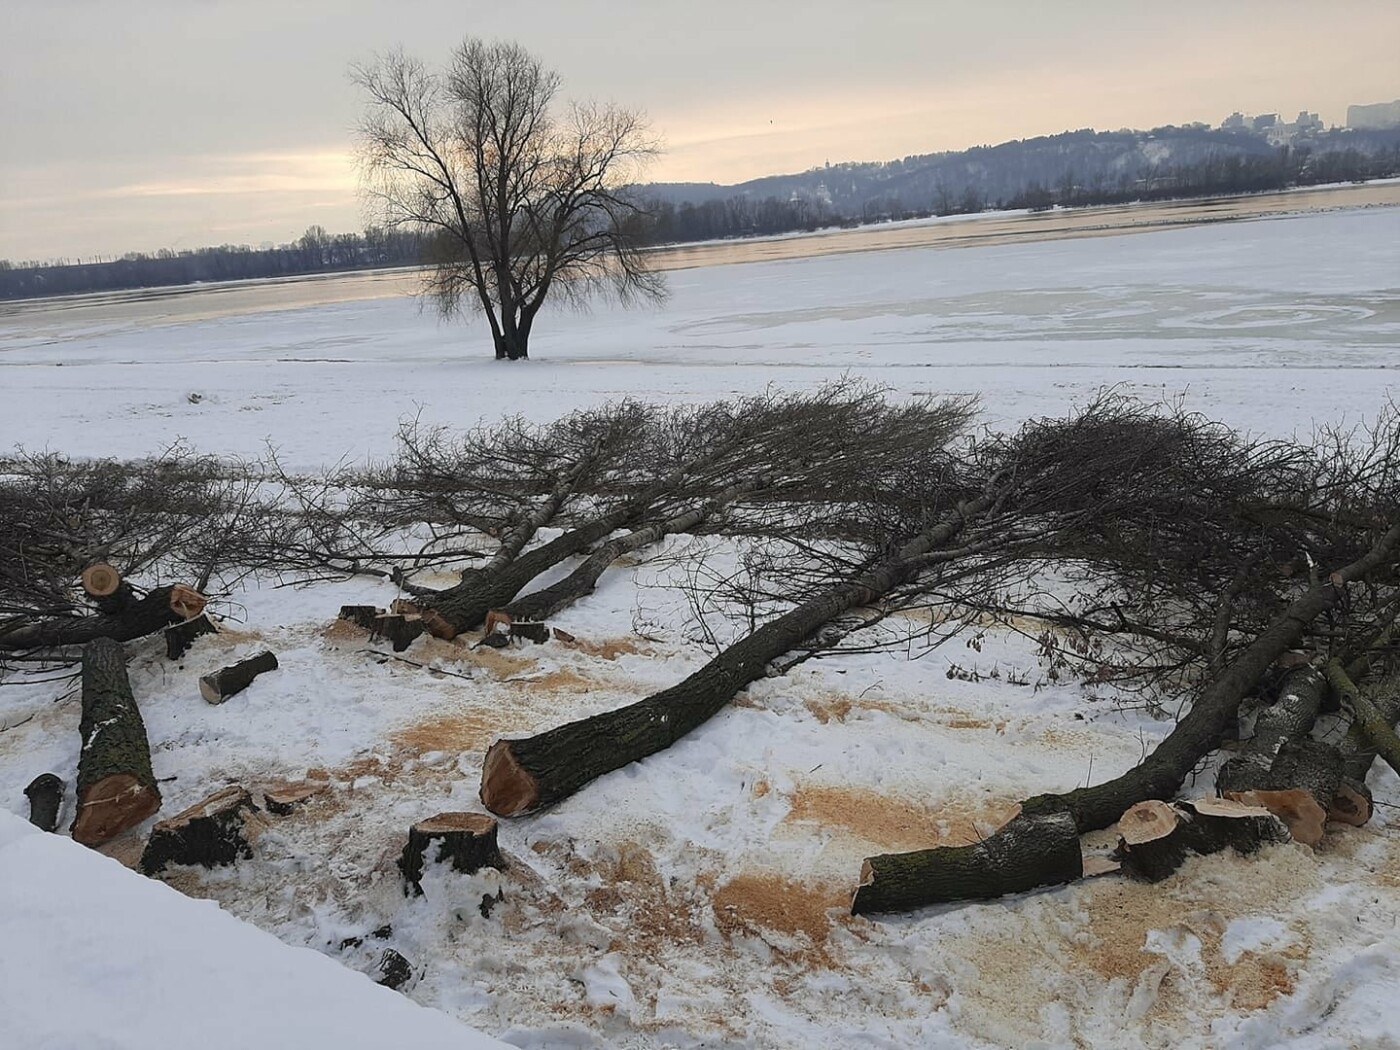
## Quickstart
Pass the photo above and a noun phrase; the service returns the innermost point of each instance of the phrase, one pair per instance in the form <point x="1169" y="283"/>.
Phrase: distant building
<point x="1233" y="121"/>
<point x="1374" y="117"/>
<point x="1265" y="121"/>
<point x="1282" y="134"/>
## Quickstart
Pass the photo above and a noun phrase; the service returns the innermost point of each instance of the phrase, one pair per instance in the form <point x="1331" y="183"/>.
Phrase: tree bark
<point x="554" y="599"/>
<point x="397" y="629"/>
<point x="45" y="794"/>
<point x="137" y="619"/>
<point x="1161" y="775"/>
<point x="1024" y="853"/>
<point x="210" y="833"/>
<point x="180" y="636"/>
<point x="1289" y="718"/>
<point x="520" y="776"/>
<point x="468" y="840"/>
<point x="232" y="680"/>
<point x="116" y="787"/>
<point x="1203" y="826"/>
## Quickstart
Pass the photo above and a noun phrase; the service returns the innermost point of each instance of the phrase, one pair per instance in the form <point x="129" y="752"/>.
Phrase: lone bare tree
<point x="521" y="202"/>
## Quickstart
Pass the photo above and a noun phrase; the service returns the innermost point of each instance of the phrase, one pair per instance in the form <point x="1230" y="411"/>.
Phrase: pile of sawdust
<point x="753" y="902"/>
<point x="893" y="823"/>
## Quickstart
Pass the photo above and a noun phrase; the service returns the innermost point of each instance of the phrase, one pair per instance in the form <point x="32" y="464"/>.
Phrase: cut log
<point x="520" y="776"/>
<point x="116" y="788"/>
<point x="1156" y="837"/>
<point x="232" y="680"/>
<point x="209" y="834"/>
<point x="531" y="632"/>
<point x="397" y="629"/>
<point x="361" y="615"/>
<point x="1162" y="773"/>
<point x="180" y="636"/>
<point x="45" y="794"/>
<point x="1023" y="854"/>
<point x="468" y="840"/>
<point x="121" y="620"/>
<point x="101" y="580"/>
<point x="281" y="799"/>
<point x="186" y="602"/>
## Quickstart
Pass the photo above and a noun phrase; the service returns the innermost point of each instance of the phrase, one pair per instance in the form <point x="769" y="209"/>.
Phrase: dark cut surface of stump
<point x="1023" y="854"/>
<point x="45" y="794"/>
<point x="209" y="834"/>
<point x="232" y="680"/>
<point x="180" y="636"/>
<point x="467" y="840"/>
<point x="116" y="788"/>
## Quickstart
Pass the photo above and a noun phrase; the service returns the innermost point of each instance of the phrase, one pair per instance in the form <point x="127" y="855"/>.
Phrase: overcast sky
<point x="139" y="124"/>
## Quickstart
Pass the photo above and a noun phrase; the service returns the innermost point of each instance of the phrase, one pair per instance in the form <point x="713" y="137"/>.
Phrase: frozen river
<point x="1271" y="323"/>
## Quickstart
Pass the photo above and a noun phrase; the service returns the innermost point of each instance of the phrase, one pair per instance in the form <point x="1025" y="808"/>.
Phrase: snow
<point x="99" y="957"/>
<point x="698" y="898"/>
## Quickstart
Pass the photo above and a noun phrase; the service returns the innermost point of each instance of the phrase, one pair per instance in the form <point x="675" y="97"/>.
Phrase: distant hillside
<point x="1075" y="166"/>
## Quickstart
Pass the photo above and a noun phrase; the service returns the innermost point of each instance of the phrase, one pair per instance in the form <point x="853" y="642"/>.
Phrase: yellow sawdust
<point x="752" y="902"/>
<point x="893" y="823"/>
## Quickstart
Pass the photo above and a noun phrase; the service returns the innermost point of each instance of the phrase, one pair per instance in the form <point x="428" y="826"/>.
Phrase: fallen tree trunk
<point x="1162" y="773"/>
<point x="520" y="776"/>
<point x="219" y="685"/>
<point x="1024" y="853"/>
<point x="1372" y="731"/>
<point x="116" y="787"/>
<point x="1156" y="837"/>
<point x="554" y="599"/>
<point x="1289" y="718"/>
<point x="136" y="619"/>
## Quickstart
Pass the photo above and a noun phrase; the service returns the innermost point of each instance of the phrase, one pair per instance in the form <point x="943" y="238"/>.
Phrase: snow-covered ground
<point x="699" y="898"/>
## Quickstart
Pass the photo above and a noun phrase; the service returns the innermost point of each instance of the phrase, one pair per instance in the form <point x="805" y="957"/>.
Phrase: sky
<point x="132" y="125"/>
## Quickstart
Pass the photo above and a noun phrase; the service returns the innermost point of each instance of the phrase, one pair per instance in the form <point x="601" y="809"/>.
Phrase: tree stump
<point x="361" y="615"/>
<point x="1155" y="837"/>
<point x="45" y="794"/>
<point x="281" y="799"/>
<point x="180" y="636"/>
<point x="397" y="629"/>
<point x="1022" y="854"/>
<point x="229" y="681"/>
<point x="468" y="840"/>
<point x="210" y="833"/>
<point x="116" y="788"/>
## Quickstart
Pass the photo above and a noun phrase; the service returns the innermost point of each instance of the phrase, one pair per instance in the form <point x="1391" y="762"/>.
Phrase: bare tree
<point x="520" y="203"/>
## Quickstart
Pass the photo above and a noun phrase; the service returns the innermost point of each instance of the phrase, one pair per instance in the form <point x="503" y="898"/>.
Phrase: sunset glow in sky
<point x="181" y="123"/>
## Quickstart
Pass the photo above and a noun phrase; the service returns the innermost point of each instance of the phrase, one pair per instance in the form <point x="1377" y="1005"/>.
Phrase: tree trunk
<point x="45" y="794"/>
<point x="232" y="680"/>
<point x="116" y="788"/>
<point x="468" y="840"/>
<point x="1289" y="718"/>
<point x="136" y="619"/>
<point x="520" y="776"/>
<point x="550" y="601"/>
<point x="1156" y="837"/>
<point x="210" y="833"/>
<point x="1199" y="732"/>
<point x="397" y="629"/>
<point x="1162" y="773"/>
<point x="1024" y="853"/>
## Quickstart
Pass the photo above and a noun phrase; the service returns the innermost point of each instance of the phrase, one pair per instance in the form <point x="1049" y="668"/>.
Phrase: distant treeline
<point x="316" y="251"/>
<point x="1070" y="170"/>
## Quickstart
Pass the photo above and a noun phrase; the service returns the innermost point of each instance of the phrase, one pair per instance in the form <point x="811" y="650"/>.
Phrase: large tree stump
<point x="210" y="833"/>
<point x="468" y="840"/>
<point x="116" y="788"/>
<point x="398" y="629"/>
<point x="180" y="636"/>
<point x="45" y="794"/>
<point x="1024" y="853"/>
<point x="232" y="680"/>
<point x="1156" y="837"/>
